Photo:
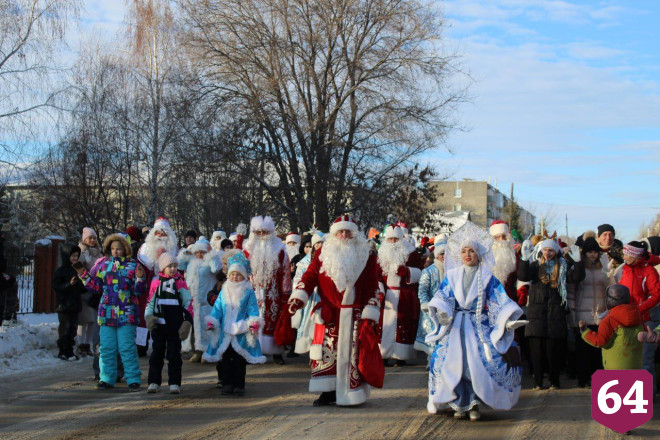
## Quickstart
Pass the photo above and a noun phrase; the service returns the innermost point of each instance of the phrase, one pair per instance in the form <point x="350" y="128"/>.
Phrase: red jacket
<point x="644" y="284"/>
<point x="624" y="315"/>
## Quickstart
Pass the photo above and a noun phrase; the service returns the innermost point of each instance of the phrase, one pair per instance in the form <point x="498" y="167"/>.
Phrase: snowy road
<point x="61" y="403"/>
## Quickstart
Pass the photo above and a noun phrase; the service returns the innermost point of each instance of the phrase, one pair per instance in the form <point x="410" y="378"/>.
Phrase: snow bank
<point x="29" y="344"/>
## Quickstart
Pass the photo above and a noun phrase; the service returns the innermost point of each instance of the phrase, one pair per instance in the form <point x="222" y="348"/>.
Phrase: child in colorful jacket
<point x="119" y="279"/>
<point x="169" y="319"/>
<point x="617" y="331"/>
<point x="234" y="326"/>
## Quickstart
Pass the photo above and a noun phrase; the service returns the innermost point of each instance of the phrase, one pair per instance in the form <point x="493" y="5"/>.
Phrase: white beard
<point x="344" y="260"/>
<point x="153" y="243"/>
<point x="264" y="258"/>
<point x="215" y="244"/>
<point x="292" y="250"/>
<point x="505" y="260"/>
<point x="393" y="255"/>
<point x="233" y="292"/>
<point x="441" y="267"/>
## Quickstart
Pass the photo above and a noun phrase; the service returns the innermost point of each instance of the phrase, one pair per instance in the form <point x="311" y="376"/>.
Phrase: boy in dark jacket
<point x="68" y="289"/>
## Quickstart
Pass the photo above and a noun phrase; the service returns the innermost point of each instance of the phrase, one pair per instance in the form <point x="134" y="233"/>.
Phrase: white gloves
<point x="512" y="325"/>
<point x="526" y="250"/>
<point x="574" y="253"/>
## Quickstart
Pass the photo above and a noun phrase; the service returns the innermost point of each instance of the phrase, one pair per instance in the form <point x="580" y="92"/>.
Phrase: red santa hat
<point x="259" y="223"/>
<point x="393" y="231"/>
<point x="499" y="227"/>
<point x="343" y="222"/>
<point x="292" y="236"/>
<point x="161" y="224"/>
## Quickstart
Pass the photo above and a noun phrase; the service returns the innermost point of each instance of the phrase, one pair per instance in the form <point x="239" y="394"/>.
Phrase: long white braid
<point x="480" y="305"/>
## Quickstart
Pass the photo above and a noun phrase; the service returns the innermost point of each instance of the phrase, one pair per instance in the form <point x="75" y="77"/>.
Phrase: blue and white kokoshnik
<point x="455" y="316"/>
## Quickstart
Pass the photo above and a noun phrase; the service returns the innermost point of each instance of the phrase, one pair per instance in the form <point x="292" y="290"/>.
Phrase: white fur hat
<point x="551" y="244"/>
<point x="201" y="245"/>
<point x="393" y="232"/>
<point x="317" y="238"/>
<point x="439" y="249"/>
<point x="221" y="234"/>
<point x="292" y="236"/>
<point x="161" y="223"/>
<point x="344" y="222"/>
<point x="259" y="223"/>
<point x="498" y="227"/>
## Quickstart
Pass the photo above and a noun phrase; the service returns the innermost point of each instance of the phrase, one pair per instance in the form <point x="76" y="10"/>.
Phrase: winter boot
<point x="196" y="357"/>
<point x="278" y="359"/>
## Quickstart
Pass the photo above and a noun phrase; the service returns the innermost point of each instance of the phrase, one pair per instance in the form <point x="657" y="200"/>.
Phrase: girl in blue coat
<point x="234" y="326"/>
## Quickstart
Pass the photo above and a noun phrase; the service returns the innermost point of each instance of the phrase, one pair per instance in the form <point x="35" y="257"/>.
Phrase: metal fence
<point x="22" y="267"/>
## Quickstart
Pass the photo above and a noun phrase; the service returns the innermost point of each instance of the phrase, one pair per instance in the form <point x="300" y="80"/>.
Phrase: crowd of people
<point x="476" y="304"/>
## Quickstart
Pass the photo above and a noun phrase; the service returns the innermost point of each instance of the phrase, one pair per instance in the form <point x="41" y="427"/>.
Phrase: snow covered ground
<point x="29" y="344"/>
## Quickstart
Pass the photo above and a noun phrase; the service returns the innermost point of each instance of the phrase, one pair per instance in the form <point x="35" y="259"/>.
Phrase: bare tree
<point x="31" y="33"/>
<point x="331" y="95"/>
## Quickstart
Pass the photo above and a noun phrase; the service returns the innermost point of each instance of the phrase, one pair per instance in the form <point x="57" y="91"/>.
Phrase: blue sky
<point x="565" y="102"/>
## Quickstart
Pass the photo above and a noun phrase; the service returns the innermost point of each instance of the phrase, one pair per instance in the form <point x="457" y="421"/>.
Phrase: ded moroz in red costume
<point x="400" y="268"/>
<point x="346" y="278"/>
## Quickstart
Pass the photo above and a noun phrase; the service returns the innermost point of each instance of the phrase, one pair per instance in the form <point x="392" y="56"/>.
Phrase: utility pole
<point x="511" y="208"/>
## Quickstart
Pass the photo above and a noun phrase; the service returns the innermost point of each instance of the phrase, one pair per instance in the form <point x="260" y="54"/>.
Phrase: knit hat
<point x="134" y="233"/>
<point x="165" y="260"/>
<point x="590" y="245"/>
<point x="88" y="232"/>
<point x="226" y="242"/>
<point x="617" y="294"/>
<point x="635" y="249"/>
<point x="498" y="227"/>
<point x="605" y="228"/>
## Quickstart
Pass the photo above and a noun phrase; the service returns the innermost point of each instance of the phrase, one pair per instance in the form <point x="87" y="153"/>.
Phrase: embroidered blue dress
<point x="466" y="366"/>
<point x="429" y="283"/>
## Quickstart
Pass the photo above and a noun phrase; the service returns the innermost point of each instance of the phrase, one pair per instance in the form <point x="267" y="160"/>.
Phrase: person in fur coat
<point x="429" y="283"/>
<point x="90" y="251"/>
<point x="234" y="325"/>
<point x="200" y="277"/>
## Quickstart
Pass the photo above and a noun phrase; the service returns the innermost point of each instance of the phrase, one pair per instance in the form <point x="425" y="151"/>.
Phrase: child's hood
<point x="626" y="315"/>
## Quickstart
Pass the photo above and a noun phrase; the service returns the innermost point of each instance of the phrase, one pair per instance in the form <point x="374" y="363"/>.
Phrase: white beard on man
<point x="292" y="250"/>
<point x="401" y="268"/>
<point x="271" y="280"/>
<point x="505" y="260"/>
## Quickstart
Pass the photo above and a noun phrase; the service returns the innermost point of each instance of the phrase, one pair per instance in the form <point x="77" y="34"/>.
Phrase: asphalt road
<point x="63" y="404"/>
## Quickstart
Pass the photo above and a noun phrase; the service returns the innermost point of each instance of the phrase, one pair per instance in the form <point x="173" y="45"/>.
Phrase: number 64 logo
<point x="622" y="399"/>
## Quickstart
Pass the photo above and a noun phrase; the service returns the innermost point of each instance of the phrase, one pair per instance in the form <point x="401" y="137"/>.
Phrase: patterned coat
<point x="429" y="283"/>
<point x="115" y="279"/>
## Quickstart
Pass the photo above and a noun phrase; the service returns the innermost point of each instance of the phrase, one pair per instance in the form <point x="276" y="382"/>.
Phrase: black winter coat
<point x="545" y="312"/>
<point x="67" y="297"/>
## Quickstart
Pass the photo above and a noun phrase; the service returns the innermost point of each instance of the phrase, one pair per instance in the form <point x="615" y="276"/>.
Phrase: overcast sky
<point x="565" y="103"/>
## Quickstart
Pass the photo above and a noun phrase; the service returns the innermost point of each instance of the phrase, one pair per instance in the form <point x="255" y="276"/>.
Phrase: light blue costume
<point x="429" y="283"/>
<point x="232" y="321"/>
<point x="466" y="365"/>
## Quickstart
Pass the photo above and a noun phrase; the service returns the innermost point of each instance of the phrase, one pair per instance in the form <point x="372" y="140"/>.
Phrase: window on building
<point x="457" y="208"/>
<point x="457" y="193"/>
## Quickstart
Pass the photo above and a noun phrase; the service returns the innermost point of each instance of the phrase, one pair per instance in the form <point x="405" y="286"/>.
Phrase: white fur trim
<point x="300" y="295"/>
<point x="415" y="275"/>
<point x="268" y="346"/>
<point x="259" y="223"/>
<point x="371" y="312"/>
<point x="296" y="319"/>
<point x="400" y="351"/>
<point x="237" y="267"/>
<point x="498" y="229"/>
<point x="214" y="335"/>
<point x="423" y="347"/>
<point x="247" y="356"/>
<point x="322" y="384"/>
<point x="293" y="237"/>
<point x="393" y="232"/>
<point x="338" y="226"/>
<point x="316" y="352"/>
<point x="316" y="238"/>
